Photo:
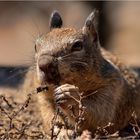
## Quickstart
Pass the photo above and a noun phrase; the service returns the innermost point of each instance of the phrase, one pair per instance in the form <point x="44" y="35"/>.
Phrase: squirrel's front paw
<point x="66" y="95"/>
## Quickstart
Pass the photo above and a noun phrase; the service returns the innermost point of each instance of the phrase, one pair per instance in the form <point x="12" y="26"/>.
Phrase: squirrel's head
<point x="66" y="55"/>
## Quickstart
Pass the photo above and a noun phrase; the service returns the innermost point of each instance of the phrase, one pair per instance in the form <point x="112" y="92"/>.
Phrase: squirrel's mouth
<point x="53" y="76"/>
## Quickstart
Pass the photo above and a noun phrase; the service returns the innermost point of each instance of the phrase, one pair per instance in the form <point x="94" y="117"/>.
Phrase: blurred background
<point x="22" y="22"/>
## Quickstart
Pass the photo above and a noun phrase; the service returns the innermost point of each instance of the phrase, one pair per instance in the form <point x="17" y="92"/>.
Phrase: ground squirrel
<point x="70" y="62"/>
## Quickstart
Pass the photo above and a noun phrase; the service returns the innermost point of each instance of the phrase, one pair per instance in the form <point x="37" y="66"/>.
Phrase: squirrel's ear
<point x="89" y="26"/>
<point x="55" y="20"/>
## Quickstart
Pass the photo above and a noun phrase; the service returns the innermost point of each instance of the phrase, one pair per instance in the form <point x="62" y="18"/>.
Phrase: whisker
<point x="33" y="37"/>
<point x="69" y="56"/>
<point x="65" y="56"/>
<point x="36" y="26"/>
<point x="81" y="62"/>
<point x="76" y="61"/>
<point x="21" y="72"/>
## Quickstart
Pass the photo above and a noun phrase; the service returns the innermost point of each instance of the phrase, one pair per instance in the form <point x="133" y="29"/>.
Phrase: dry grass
<point x="21" y="120"/>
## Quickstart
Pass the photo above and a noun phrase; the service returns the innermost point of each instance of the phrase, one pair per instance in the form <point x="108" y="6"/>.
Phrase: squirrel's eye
<point x="77" y="46"/>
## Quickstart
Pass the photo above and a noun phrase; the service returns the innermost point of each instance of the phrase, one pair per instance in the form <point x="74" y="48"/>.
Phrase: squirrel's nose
<point x="49" y="66"/>
<point x="45" y="62"/>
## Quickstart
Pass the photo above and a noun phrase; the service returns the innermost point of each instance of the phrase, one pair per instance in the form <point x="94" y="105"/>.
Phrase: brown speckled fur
<point x="117" y="85"/>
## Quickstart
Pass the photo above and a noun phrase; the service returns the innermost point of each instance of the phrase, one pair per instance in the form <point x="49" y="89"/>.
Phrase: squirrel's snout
<point x="44" y="62"/>
<point x="49" y="67"/>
